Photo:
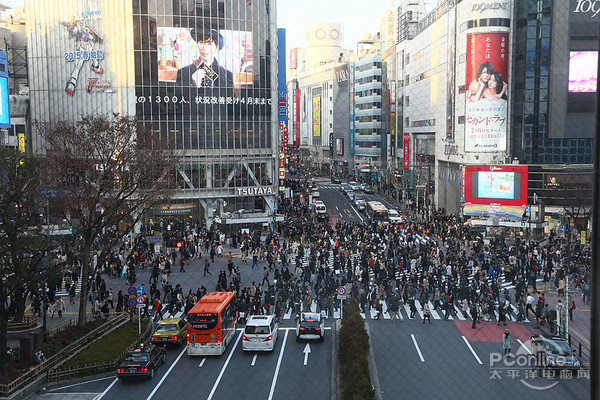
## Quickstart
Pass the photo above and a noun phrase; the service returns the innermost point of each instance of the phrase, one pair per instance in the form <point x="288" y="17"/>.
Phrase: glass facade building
<point x="201" y="73"/>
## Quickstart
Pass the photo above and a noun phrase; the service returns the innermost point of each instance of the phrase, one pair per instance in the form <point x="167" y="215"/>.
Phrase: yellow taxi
<point x="170" y="330"/>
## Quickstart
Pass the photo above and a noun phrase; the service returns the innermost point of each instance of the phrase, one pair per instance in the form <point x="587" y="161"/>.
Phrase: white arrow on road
<point x="306" y="353"/>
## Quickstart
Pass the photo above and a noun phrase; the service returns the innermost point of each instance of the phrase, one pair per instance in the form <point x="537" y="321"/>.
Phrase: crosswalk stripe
<point x="434" y="313"/>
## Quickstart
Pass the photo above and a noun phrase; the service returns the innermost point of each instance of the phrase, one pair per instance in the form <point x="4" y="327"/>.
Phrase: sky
<point x="357" y="16"/>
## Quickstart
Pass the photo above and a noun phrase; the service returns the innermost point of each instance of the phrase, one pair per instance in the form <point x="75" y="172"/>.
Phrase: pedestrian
<point x="60" y="306"/>
<point x="586" y="292"/>
<point x="506" y="342"/>
<point x="157" y="308"/>
<point x="109" y="297"/>
<point x="379" y="309"/>
<point x="181" y="264"/>
<point x="571" y="308"/>
<point x="413" y="307"/>
<point x="206" y="268"/>
<point x="265" y="276"/>
<point x="426" y="312"/>
<point x="475" y="314"/>
<point x="529" y="305"/>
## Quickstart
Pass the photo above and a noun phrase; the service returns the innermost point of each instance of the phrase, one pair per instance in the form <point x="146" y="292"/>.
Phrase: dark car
<point x="335" y="179"/>
<point x="368" y="189"/>
<point x="310" y="326"/>
<point x="142" y="362"/>
<point x="553" y="352"/>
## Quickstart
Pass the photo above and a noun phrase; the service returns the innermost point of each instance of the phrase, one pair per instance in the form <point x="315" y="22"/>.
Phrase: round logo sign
<point x="132" y="291"/>
<point x="341" y="290"/>
<point x="132" y="302"/>
<point x="140" y="299"/>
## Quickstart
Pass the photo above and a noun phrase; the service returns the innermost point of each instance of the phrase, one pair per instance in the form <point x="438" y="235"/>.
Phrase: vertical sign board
<point x="21" y="142"/>
<point x="4" y="94"/>
<point x="351" y="108"/>
<point x="406" y="160"/>
<point x="316" y="108"/>
<point x="297" y="141"/>
<point x="282" y="89"/>
<point x="486" y="102"/>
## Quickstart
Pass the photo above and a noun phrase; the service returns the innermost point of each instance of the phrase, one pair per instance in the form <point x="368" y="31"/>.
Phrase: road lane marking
<point x="472" y="351"/>
<point x="336" y="207"/>
<point x="80" y="383"/>
<point x="167" y="373"/>
<point x="306" y="353"/>
<point x="278" y="365"/>
<point x="202" y="362"/>
<point x="417" y="347"/>
<point x="254" y="359"/>
<point x="107" y="389"/>
<point x="214" y="389"/>
<point x="525" y="347"/>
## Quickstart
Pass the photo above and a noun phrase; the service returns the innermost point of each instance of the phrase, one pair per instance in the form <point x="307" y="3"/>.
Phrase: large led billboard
<point x="583" y="71"/>
<point x="227" y="61"/>
<point x="5" y="101"/>
<point x="496" y="184"/>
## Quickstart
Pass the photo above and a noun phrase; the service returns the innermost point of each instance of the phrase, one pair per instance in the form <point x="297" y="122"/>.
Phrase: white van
<point x="260" y="333"/>
<point x="320" y="208"/>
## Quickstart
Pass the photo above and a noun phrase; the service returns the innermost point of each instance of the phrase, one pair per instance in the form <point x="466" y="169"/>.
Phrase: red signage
<point x="297" y="141"/>
<point x="504" y="185"/>
<point x="406" y="151"/>
<point x="285" y="139"/>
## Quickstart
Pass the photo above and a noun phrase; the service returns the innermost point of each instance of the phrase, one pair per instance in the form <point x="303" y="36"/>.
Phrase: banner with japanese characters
<point x="487" y="92"/>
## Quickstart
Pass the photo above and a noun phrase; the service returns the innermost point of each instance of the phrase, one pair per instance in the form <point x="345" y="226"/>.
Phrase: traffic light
<point x="301" y="195"/>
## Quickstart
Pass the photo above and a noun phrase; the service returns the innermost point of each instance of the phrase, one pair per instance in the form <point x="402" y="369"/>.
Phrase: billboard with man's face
<point x="178" y="49"/>
<point x="487" y="92"/>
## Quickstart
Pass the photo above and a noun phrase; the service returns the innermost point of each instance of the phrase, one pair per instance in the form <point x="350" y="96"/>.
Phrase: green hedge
<point x="108" y="347"/>
<point x="355" y="379"/>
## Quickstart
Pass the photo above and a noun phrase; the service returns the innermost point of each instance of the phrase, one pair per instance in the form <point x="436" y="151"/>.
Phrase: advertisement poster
<point x="297" y="141"/>
<point x="87" y="50"/>
<point x="304" y="116"/>
<point x="205" y="58"/>
<point x="316" y="112"/>
<point x="406" y="159"/>
<point x="583" y="71"/>
<point x="487" y="92"/>
<point x="339" y="147"/>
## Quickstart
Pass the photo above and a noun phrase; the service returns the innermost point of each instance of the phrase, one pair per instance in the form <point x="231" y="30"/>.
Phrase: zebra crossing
<point x="404" y="312"/>
<point x="64" y="292"/>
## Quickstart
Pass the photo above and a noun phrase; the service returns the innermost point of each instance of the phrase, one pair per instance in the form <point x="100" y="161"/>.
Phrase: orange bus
<point x="211" y="324"/>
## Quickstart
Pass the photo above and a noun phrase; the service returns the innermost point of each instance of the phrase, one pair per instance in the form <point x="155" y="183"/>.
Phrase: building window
<point x="407" y="101"/>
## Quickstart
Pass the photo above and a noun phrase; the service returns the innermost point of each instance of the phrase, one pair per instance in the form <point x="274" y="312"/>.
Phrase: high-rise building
<point x="502" y="83"/>
<point x="201" y="72"/>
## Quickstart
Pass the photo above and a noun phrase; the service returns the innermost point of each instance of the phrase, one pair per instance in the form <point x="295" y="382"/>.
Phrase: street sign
<point x="154" y="239"/>
<point x="141" y="290"/>
<point x="132" y="302"/>
<point x="140" y="299"/>
<point x="275" y="207"/>
<point x="132" y="291"/>
<point x="341" y="290"/>
<point x="156" y="249"/>
<point x="527" y="209"/>
<point x="139" y="305"/>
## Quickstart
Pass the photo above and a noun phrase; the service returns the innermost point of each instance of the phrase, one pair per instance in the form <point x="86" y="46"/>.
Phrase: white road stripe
<point x="254" y="359"/>
<point x="419" y="310"/>
<point x="417" y="347"/>
<point x="525" y="347"/>
<point x="202" y="362"/>
<point x="101" y="395"/>
<point x="434" y="313"/>
<point x="81" y="383"/>
<point x="472" y="351"/>
<point x="278" y="365"/>
<point x="214" y="389"/>
<point x="166" y="374"/>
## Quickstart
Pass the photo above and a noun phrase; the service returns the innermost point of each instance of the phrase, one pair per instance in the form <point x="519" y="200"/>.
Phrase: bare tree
<point x="22" y="244"/>
<point x="577" y="202"/>
<point x="107" y="169"/>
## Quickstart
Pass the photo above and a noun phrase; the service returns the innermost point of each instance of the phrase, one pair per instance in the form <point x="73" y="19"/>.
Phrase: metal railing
<point x="9" y="388"/>
<point x="60" y="374"/>
<point x="28" y="322"/>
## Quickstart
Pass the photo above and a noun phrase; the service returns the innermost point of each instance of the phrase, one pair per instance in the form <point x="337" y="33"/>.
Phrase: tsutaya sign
<point x="255" y="191"/>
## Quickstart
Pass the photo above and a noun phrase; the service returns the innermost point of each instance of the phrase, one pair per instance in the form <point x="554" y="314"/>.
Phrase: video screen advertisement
<point x="583" y="71"/>
<point x="487" y="92"/>
<point x="209" y="66"/>
<point x="496" y="184"/>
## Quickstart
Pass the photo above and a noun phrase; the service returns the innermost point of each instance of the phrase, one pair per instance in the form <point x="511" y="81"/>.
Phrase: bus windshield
<point x="203" y="321"/>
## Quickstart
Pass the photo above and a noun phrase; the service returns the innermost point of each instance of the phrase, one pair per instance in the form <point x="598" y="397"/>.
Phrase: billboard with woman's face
<point x="487" y="92"/>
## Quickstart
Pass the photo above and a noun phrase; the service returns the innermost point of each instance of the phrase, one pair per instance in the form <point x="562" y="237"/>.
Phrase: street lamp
<point x="42" y="266"/>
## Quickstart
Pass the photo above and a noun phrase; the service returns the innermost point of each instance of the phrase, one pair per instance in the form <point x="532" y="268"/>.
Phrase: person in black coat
<point x="475" y="314"/>
<point x="206" y="72"/>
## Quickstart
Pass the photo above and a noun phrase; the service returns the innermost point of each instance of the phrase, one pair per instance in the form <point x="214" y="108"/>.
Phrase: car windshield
<point x="166" y="327"/>
<point x="558" y="347"/>
<point x="257" y="330"/>
<point x="137" y="358"/>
